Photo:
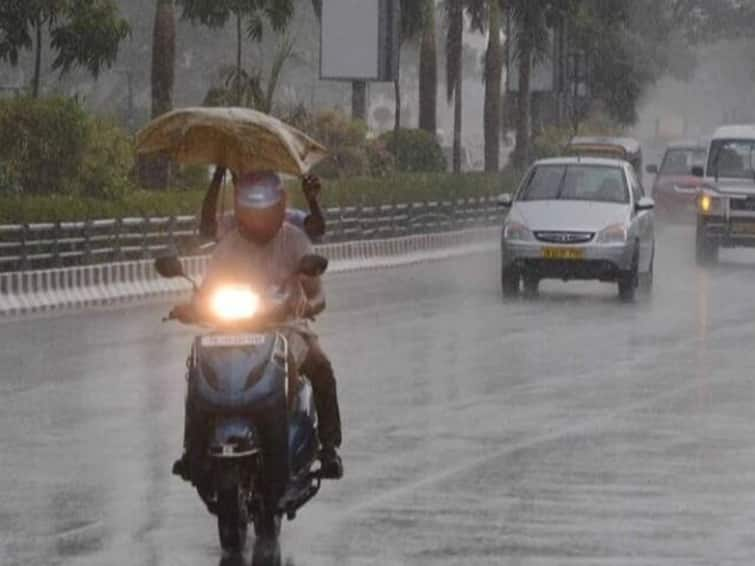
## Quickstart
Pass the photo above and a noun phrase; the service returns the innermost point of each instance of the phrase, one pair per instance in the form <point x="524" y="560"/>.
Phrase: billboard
<point x="359" y="40"/>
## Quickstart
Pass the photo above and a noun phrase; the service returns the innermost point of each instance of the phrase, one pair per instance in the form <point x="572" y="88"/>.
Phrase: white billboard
<point x="358" y="39"/>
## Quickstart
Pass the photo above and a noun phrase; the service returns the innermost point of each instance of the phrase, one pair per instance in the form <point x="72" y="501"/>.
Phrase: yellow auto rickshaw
<point x="627" y="149"/>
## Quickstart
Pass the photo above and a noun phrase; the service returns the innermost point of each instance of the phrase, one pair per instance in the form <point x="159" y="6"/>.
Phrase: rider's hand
<point x="311" y="187"/>
<point x="290" y="309"/>
<point x="185" y="313"/>
<point x="297" y="305"/>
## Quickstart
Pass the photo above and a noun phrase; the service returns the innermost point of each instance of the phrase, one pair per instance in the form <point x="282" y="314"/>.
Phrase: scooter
<point x="255" y="458"/>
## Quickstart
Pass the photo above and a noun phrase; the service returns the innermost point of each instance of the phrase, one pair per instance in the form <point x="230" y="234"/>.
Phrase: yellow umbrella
<point x="237" y="138"/>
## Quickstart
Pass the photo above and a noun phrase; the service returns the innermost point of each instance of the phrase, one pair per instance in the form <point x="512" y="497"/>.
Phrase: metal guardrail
<point x="26" y="247"/>
<point x="41" y="291"/>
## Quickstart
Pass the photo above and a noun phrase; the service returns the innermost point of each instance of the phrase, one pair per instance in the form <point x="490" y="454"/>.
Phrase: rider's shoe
<point x="331" y="464"/>
<point x="181" y="467"/>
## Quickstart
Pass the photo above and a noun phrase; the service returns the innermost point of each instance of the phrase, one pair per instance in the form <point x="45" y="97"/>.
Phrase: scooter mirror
<point x="312" y="265"/>
<point x="169" y="267"/>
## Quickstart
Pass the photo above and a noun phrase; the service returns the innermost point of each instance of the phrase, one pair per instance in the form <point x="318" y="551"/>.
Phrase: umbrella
<point x="239" y="139"/>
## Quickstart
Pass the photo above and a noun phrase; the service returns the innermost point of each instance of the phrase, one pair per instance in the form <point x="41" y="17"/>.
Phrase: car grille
<point x="565" y="237"/>
<point x="745" y="204"/>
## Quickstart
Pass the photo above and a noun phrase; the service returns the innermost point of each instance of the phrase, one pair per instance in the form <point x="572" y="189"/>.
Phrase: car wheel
<point x="706" y="252"/>
<point x="646" y="279"/>
<point x="531" y="285"/>
<point x="510" y="278"/>
<point x="628" y="282"/>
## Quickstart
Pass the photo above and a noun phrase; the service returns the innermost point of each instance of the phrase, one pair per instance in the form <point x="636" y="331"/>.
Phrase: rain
<point x="538" y="219"/>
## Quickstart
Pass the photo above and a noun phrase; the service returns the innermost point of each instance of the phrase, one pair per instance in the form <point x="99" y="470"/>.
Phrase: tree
<point x="428" y="71"/>
<point x="413" y="15"/>
<point x="485" y="16"/>
<point x="531" y="20"/>
<point x="251" y="14"/>
<point x="155" y="171"/>
<point x="163" y="57"/>
<point x="82" y="33"/>
<point x="454" y="71"/>
<point x="257" y="91"/>
<point x="530" y="40"/>
<point x="630" y="45"/>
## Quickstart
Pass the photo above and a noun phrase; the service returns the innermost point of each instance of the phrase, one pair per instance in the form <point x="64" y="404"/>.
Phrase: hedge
<point x="365" y="191"/>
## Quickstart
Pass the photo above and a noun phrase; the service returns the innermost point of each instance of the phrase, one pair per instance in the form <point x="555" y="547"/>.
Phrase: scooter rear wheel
<point x="267" y="525"/>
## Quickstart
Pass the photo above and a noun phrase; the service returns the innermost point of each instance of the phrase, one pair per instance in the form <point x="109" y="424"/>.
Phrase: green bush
<point x="42" y="144"/>
<point x="52" y="146"/>
<point x="357" y="191"/>
<point x="345" y="139"/>
<point x="108" y="161"/>
<point x="190" y="177"/>
<point x="415" y="151"/>
<point x="350" y="152"/>
<point x="382" y="162"/>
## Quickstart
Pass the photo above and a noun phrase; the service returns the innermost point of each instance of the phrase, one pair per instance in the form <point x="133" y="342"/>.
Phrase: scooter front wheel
<point x="232" y="520"/>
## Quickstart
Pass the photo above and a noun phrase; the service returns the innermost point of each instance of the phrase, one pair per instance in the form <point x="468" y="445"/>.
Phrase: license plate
<point x="743" y="228"/>
<point x="563" y="253"/>
<point x="232" y="340"/>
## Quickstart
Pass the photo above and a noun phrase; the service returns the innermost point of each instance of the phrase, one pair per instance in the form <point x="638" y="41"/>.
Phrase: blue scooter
<point x="253" y="416"/>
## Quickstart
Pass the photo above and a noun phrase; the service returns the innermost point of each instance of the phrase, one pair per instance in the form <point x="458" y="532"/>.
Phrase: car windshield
<point x="681" y="161"/>
<point x="732" y="159"/>
<point x="600" y="183"/>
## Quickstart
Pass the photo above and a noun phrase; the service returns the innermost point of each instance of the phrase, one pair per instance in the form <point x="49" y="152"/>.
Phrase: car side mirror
<point x="505" y="200"/>
<point x="169" y="267"/>
<point x="698" y="171"/>
<point x="645" y="203"/>
<point x="652" y="169"/>
<point x="312" y="265"/>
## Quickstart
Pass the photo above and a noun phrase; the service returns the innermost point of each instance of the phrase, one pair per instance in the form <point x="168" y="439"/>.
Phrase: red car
<point x="675" y="188"/>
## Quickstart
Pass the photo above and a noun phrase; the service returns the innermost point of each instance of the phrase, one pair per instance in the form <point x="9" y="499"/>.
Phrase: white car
<point x="578" y="218"/>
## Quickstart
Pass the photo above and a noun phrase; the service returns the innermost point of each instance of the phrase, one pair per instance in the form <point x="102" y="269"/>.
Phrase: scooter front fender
<point x="233" y="437"/>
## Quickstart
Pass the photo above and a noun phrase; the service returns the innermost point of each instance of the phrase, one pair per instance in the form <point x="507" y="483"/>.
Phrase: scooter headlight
<point x="234" y="302"/>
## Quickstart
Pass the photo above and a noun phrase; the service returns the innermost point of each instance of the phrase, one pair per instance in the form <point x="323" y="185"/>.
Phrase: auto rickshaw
<point x="627" y="149"/>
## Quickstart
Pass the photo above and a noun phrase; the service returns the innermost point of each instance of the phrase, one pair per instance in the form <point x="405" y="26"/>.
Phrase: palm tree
<point x="163" y="57"/>
<point x="413" y="15"/>
<point x="531" y="40"/>
<point x="254" y="15"/>
<point x="155" y="172"/>
<point x="485" y="16"/>
<point x="428" y="71"/>
<point x="530" y="34"/>
<point x="454" y="78"/>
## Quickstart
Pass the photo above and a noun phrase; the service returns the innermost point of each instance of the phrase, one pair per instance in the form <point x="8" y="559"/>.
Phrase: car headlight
<point x="614" y="234"/>
<point x="234" y="302"/>
<point x="709" y="205"/>
<point x="517" y="232"/>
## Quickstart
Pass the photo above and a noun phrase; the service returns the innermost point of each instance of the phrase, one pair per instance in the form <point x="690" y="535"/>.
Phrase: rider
<point x="267" y="250"/>
<point x="313" y="223"/>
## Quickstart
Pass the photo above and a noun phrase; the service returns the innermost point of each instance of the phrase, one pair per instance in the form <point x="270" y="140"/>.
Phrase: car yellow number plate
<point x="563" y="253"/>
<point x="743" y="228"/>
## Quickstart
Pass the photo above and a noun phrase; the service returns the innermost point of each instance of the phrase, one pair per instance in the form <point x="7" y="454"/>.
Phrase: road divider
<point x="30" y="292"/>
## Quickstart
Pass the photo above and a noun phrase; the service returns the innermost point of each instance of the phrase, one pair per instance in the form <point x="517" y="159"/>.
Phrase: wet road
<point x="570" y="429"/>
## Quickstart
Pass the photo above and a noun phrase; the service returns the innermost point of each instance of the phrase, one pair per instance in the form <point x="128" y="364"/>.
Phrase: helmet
<point x="260" y="202"/>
